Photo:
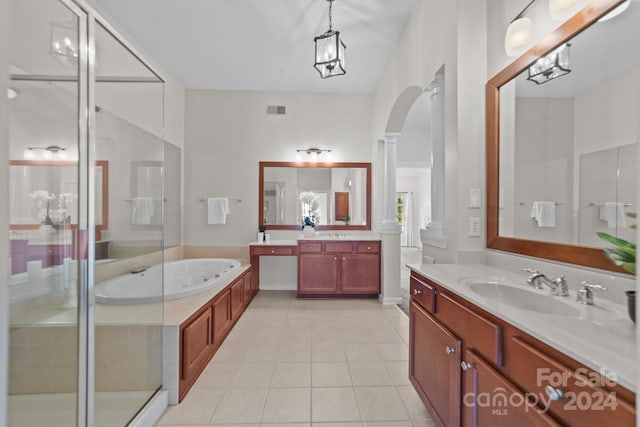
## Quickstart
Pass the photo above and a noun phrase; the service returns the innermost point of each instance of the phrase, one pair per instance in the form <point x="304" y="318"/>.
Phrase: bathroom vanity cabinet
<point x="204" y="331"/>
<point x="330" y="268"/>
<point x="472" y="368"/>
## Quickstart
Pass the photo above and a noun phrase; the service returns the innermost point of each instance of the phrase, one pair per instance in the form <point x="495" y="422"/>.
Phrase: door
<point x="360" y="273"/>
<point x="489" y="399"/>
<point x="318" y="273"/>
<point x="434" y="360"/>
<point x="221" y="316"/>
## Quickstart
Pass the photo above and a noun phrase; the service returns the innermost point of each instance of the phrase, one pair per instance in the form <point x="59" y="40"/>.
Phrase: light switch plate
<point x="474" y="198"/>
<point x="474" y="227"/>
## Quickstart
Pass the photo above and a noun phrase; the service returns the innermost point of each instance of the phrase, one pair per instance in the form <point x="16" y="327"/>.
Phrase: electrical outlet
<point x="474" y="227"/>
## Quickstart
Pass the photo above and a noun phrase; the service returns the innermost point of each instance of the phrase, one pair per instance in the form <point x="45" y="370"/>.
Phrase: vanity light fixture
<point x="64" y="43"/>
<point x="47" y="152"/>
<point x="551" y="66"/>
<point x="313" y="152"/>
<point x="520" y="33"/>
<point x="330" y="51"/>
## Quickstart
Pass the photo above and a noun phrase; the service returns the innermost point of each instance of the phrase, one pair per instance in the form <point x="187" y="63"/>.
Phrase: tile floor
<point x="291" y="362"/>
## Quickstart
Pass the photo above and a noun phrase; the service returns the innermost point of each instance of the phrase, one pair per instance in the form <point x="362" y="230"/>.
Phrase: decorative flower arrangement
<point x="48" y="215"/>
<point x="310" y="206"/>
<point x="624" y="253"/>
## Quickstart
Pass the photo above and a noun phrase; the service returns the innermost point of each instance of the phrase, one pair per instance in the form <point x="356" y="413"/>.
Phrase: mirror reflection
<point x="293" y="195"/>
<point x="568" y="140"/>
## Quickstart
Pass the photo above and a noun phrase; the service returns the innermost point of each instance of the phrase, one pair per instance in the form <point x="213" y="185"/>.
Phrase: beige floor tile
<point x="252" y="375"/>
<point x="229" y="353"/>
<point x="294" y="351"/>
<point x="330" y="374"/>
<point x="334" y="404"/>
<point x="231" y="425"/>
<point x="390" y="424"/>
<point x="357" y="424"/>
<point x="359" y="352"/>
<point x="241" y="405"/>
<point x="285" y="425"/>
<point x="328" y="352"/>
<point x="261" y="352"/>
<point x="380" y="404"/>
<point x="393" y="352"/>
<point x="197" y="408"/>
<point x="216" y="375"/>
<point x="291" y="375"/>
<point x="414" y="405"/>
<point x="286" y="405"/>
<point x="369" y="374"/>
<point x="399" y="372"/>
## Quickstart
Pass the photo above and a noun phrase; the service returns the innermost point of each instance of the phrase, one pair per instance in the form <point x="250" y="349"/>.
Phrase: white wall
<point x="452" y="34"/>
<point x="229" y="132"/>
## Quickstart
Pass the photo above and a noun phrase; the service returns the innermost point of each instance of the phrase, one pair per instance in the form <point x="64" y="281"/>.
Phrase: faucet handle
<point x="591" y="286"/>
<point x="530" y="270"/>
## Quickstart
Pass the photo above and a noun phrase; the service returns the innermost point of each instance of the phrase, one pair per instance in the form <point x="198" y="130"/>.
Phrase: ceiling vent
<point x="277" y="109"/>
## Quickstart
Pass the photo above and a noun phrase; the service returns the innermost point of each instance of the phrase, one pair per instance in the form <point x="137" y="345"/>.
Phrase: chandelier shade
<point x="330" y="51"/>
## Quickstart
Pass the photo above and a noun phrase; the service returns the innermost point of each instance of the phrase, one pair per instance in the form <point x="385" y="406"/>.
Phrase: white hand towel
<point x="142" y="210"/>
<point x="218" y="209"/>
<point x="544" y="213"/>
<point x="613" y="213"/>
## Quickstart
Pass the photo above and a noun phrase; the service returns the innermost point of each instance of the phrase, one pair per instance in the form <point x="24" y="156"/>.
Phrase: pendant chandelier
<point x="551" y="66"/>
<point x="330" y="51"/>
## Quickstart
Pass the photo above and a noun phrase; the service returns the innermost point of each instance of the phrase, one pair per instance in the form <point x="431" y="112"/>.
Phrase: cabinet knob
<point x="273" y="251"/>
<point x="310" y="247"/>
<point x="449" y="350"/>
<point x="335" y="258"/>
<point x="553" y="393"/>
<point x="464" y="365"/>
<point x="368" y="248"/>
<point x="417" y="291"/>
<point x="344" y="258"/>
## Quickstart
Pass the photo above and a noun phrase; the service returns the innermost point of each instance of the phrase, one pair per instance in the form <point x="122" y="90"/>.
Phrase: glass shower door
<point x="45" y="203"/>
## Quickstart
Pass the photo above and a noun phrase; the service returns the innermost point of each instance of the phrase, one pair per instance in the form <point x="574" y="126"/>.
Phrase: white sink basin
<point x="517" y="294"/>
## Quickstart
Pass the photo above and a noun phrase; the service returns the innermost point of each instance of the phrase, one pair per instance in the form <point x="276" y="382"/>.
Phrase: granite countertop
<point x="605" y="346"/>
<point x="322" y="237"/>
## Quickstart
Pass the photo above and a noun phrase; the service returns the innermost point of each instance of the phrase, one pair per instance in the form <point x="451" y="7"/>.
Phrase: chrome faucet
<point x="557" y="286"/>
<point x="585" y="296"/>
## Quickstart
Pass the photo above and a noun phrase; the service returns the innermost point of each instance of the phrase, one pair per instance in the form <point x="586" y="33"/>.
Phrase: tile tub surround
<point x="611" y="347"/>
<point x="307" y="361"/>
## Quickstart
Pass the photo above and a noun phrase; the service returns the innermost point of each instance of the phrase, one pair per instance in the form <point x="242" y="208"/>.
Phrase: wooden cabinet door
<point x="489" y="399"/>
<point x="434" y="366"/>
<point x="317" y="274"/>
<point x="197" y="345"/>
<point x="237" y="298"/>
<point x="360" y="273"/>
<point x="248" y="289"/>
<point x="221" y="316"/>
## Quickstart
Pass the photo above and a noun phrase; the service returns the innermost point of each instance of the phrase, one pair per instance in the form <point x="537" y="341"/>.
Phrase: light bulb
<point x="561" y="10"/>
<point x="47" y="154"/>
<point x="12" y="93"/>
<point x="518" y="37"/>
<point x="62" y="154"/>
<point x="29" y="154"/>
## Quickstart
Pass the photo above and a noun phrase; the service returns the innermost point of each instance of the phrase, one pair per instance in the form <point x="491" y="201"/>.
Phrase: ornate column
<point x="434" y="234"/>
<point x="389" y="221"/>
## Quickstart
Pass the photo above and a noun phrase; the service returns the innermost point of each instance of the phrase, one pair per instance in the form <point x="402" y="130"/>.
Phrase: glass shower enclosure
<point x="85" y="123"/>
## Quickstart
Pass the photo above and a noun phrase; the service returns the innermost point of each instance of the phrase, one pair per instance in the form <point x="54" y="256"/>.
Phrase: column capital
<point x="391" y="137"/>
<point x="435" y="87"/>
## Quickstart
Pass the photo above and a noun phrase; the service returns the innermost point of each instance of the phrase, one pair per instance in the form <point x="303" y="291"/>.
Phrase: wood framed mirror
<point x="331" y="196"/>
<point x="57" y="177"/>
<point x="510" y="102"/>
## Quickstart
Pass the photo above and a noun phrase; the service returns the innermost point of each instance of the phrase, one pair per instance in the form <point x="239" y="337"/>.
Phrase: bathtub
<point x="181" y="278"/>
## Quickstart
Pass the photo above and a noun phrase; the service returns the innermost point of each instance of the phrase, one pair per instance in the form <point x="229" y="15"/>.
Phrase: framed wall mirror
<point x="328" y="196"/>
<point x="31" y="179"/>
<point x="562" y="151"/>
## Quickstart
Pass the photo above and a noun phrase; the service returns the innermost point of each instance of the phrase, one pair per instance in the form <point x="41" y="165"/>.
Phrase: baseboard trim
<point x="278" y="287"/>
<point x="152" y="411"/>
<point x="389" y="300"/>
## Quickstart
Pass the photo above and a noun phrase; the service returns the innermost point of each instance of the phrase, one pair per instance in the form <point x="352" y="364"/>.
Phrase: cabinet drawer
<point x="338" y="247"/>
<point x="478" y="333"/>
<point x="196" y="341"/>
<point x="310" y="247"/>
<point x="271" y="250"/>
<point x="423" y="293"/>
<point x="584" y="402"/>
<point x="369" y="247"/>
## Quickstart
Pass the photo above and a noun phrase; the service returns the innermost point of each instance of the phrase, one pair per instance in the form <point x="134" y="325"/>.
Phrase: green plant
<point x="347" y="219"/>
<point x="624" y="253"/>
